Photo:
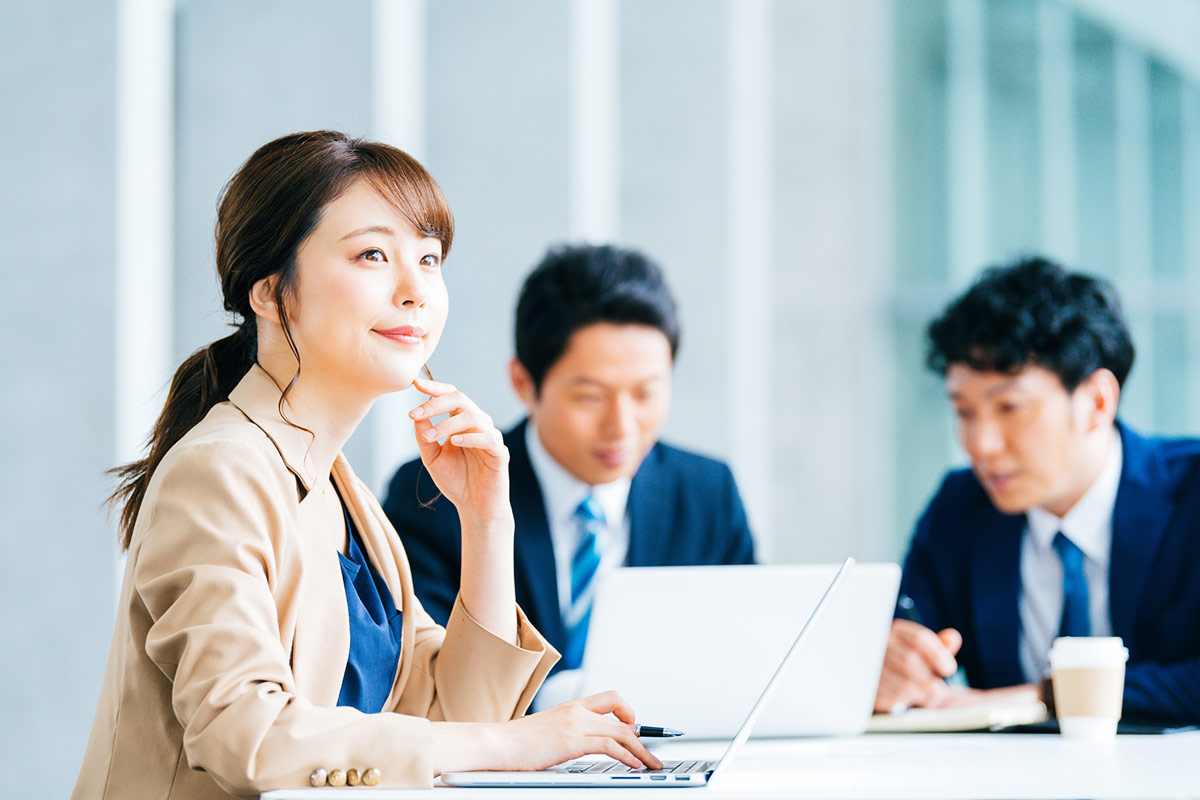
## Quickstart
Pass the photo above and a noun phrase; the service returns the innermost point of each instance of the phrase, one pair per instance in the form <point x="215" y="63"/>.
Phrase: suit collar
<point x="1143" y="509"/>
<point x="257" y="396"/>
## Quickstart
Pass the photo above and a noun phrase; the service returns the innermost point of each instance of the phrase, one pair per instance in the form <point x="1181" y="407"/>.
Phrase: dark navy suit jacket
<point x="963" y="571"/>
<point x="683" y="509"/>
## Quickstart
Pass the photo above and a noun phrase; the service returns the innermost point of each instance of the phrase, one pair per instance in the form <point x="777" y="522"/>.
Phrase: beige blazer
<point x="232" y="631"/>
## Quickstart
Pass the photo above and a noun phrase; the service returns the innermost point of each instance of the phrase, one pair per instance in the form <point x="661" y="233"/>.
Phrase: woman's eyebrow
<point x="384" y="229"/>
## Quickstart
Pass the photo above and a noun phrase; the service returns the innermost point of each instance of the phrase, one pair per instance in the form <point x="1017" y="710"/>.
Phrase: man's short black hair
<point x="1034" y="312"/>
<point x="579" y="285"/>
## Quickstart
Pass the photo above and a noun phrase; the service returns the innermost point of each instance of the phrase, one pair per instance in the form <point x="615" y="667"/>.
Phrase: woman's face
<point x="369" y="302"/>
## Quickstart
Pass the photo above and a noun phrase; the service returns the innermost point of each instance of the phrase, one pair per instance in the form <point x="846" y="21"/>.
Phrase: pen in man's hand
<point x="909" y="609"/>
<point x="650" y="730"/>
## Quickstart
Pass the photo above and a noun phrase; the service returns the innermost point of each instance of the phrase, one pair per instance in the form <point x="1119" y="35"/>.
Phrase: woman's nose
<point x="410" y="290"/>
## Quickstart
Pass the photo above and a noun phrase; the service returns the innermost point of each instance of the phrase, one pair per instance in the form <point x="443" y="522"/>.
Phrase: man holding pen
<point x="1068" y="522"/>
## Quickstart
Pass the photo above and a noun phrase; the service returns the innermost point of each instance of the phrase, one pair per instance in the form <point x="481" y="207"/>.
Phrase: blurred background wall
<point x="817" y="178"/>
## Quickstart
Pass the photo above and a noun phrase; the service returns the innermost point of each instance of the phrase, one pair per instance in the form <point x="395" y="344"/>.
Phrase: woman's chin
<point x="394" y="378"/>
<point x="398" y="382"/>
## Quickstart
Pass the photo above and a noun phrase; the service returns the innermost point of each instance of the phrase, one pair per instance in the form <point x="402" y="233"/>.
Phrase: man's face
<point x="1026" y="436"/>
<point x="604" y="401"/>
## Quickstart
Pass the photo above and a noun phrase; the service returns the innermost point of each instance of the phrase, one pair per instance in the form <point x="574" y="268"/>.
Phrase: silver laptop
<point x="608" y="772"/>
<point x="753" y="612"/>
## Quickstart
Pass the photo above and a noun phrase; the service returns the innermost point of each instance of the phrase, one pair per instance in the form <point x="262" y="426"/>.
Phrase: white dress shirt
<point x="1089" y="526"/>
<point x="562" y="493"/>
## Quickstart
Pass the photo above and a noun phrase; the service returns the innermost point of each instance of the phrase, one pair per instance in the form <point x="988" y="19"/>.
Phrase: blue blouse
<point x="374" y="630"/>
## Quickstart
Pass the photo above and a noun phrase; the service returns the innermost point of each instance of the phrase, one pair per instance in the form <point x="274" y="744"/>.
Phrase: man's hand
<point x="915" y="666"/>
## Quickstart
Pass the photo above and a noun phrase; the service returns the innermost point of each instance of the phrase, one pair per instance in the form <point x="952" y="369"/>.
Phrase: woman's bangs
<point x="414" y="194"/>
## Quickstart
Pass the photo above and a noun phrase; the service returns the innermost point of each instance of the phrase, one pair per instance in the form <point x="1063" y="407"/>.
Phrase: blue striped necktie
<point x="589" y="518"/>
<point x="1076" y="618"/>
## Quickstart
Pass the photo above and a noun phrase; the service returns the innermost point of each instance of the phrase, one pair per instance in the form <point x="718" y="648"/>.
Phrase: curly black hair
<point x="1034" y="312"/>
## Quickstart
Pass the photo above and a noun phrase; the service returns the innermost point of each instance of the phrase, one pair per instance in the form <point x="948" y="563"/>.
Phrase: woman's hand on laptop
<point x="601" y="724"/>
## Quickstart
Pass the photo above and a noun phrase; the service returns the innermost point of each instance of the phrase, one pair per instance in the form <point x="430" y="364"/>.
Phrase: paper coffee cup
<point x="1088" y="673"/>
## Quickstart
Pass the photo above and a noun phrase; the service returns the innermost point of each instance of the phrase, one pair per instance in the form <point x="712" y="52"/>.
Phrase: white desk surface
<point x="897" y="767"/>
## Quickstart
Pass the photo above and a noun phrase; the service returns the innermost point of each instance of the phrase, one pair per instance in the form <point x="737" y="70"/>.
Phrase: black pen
<point x="650" y="730"/>
<point x="909" y="609"/>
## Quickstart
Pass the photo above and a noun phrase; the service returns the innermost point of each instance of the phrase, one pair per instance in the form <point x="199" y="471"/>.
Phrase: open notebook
<point x="1022" y="708"/>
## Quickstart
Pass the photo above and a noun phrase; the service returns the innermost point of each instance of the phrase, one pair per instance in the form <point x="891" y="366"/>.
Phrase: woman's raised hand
<point x="471" y="467"/>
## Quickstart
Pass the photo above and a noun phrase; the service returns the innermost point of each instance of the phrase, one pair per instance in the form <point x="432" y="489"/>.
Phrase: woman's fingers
<point x="617" y="750"/>
<point x="461" y="422"/>
<point x="610" y="702"/>
<point x="477" y="441"/>
<point x="442" y="404"/>
<point x="433" y="388"/>
<point x="582" y="727"/>
<point x="619" y="728"/>
<point x="464" y="453"/>
<point x="465" y="418"/>
<point x="623" y="735"/>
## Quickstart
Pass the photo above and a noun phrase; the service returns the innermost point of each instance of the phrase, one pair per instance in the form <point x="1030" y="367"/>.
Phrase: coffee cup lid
<point x="1082" y="651"/>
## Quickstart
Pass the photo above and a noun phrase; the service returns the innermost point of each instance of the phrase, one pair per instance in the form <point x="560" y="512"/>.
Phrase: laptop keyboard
<point x="617" y="768"/>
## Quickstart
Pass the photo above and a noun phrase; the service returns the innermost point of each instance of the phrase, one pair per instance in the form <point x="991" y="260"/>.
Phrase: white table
<point x="897" y="767"/>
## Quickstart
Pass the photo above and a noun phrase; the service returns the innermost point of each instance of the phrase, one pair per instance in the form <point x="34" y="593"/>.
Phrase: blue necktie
<point x="1076" y="619"/>
<point x="590" y="520"/>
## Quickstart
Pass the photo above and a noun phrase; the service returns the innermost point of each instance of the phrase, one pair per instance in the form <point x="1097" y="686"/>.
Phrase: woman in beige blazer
<point x="231" y="646"/>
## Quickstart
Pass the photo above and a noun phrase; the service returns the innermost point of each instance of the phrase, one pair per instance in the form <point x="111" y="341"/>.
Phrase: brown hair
<point x="268" y="208"/>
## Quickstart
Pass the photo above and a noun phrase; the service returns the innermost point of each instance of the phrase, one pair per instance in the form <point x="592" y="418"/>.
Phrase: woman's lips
<point x="405" y="334"/>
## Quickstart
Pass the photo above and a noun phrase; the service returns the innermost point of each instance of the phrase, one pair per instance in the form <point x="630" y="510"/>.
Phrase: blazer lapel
<point x="1140" y="518"/>
<point x="257" y="396"/>
<point x="995" y="589"/>
<point x="535" y="568"/>
<point x="649" y="524"/>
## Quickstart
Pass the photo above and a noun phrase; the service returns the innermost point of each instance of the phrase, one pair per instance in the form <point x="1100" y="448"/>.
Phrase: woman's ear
<point x="262" y="299"/>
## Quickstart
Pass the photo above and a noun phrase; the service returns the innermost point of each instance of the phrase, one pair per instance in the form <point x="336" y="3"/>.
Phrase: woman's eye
<point x="431" y="260"/>
<point x="374" y="254"/>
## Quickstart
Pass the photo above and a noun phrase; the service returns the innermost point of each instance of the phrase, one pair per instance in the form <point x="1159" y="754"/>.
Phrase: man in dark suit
<point x="1067" y="523"/>
<point x="592" y="487"/>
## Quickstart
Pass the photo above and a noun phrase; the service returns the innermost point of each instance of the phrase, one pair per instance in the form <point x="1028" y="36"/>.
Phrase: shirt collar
<point x="257" y="396"/>
<point x="562" y="492"/>
<point x="1089" y="522"/>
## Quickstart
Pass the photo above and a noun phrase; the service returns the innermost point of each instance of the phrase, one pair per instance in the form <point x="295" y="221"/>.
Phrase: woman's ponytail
<point x="203" y="380"/>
